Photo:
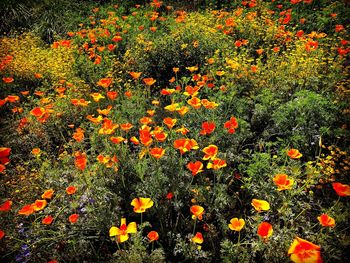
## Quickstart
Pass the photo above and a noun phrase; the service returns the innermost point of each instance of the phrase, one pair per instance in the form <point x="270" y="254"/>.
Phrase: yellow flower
<point x="140" y="204"/>
<point x="123" y="232"/>
<point x="260" y="205"/>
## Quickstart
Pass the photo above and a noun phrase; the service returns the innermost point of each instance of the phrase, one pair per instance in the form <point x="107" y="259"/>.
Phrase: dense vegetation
<point x="175" y="131"/>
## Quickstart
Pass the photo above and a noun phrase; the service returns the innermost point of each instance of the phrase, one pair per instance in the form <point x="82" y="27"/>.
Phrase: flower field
<point x="175" y="131"/>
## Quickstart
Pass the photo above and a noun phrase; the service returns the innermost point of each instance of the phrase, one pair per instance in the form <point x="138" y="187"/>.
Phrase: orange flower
<point x="195" y="102"/>
<point x="294" y="154"/>
<point x="80" y="160"/>
<point x="210" y="152"/>
<point x="311" y="45"/>
<point x="6" y="206"/>
<point x="326" y="220"/>
<point x="192" y="69"/>
<point x="135" y="75"/>
<point x="260" y="205"/>
<point x="73" y="218"/>
<point x="8" y="80"/>
<point x="149" y="81"/>
<point x="105" y="82"/>
<point x="216" y="164"/>
<point x="341" y="189"/>
<point x="159" y="134"/>
<point x="198" y="238"/>
<point x="153" y="236"/>
<point x="112" y="95"/>
<point x="71" y="190"/>
<point x="282" y="182"/>
<point x="12" y="98"/>
<point x="80" y="102"/>
<point x="231" y="125"/>
<point x="108" y="127"/>
<point x="195" y="167"/>
<point x="145" y="137"/>
<point x="302" y="250"/>
<point x="47" y="220"/>
<point x="140" y="204"/>
<point x="39" y="205"/>
<point x="146" y="120"/>
<point x="183" y="110"/>
<point x="48" y="194"/>
<point x="157" y="152"/>
<point x="169" y="122"/>
<point x="207" y="128"/>
<point x="209" y="104"/>
<point x="236" y="224"/>
<point x="78" y="135"/>
<point x="26" y="210"/>
<point x="38" y="112"/>
<point x="184" y="145"/>
<point x="118" y="139"/>
<point x="265" y="230"/>
<point x="2" y="234"/>
<point x="36" y="151"/>
<point x="126" y="126"/>
<point x="197" y="212"/>
<point x="134" y="140"/>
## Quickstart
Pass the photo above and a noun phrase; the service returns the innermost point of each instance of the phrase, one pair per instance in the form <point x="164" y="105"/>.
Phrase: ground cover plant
<point x="204" y="131"/>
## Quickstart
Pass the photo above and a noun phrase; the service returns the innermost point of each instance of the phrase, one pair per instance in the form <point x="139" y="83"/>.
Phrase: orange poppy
<point x="97" y="96"/>
<point x="118" y="139"/>
<point x="260" y="205"/>
<point x="149" y="81"/>
<point x="38" y="112"/>
<point x="167" y="91"/>
<point x="209" y="104"/>
<point x="134" y="140"/>
<point x="145" y="137"/>
<point x="197" y="212"/>
<point x="326" y="220"/>
<point x="141" y="204"/>
<point x="73" y="218"/>
<point x="265" y="230"/>
<point x="2" y="234"/>
<point x="80" y="160"/>
<point x="135" y="75"/>
<point x="78" y="135"/>
<point x="302" y="250"/>
<point x="6" y="206"/>
<point x="39" y="205"/>
<point x="108" y="127"/>
<point x="105" y="82"/>
<point x="159" y="134"/>
<point x="146" y="120"/>
<point x="71" y="190"/>
<point x="216" y="164"/>
<point x="341" y="189"/>
<point x="112" y="95"/>
<point x="157" y="152"/>
<point x="185" y="144"/>
<point x="195" y="168"/>
<point x="294" y="154"/>
<point x="123" y="232"/>
<point x="153" y="236"/>
<point x="198" y="238"/>
<point x="192" y="69"/>
<point x="12" y="98"/>
<point x="207" y="128"/>
<point x="47" y="220"/>
<point x="7" y="80"/>
<point x="126" y="126"/>
<point x="195" y="102"/>
<point x="236" y="224"/>
<point x="26" y="210"/>
<point x="80" y="102"/>
<point x="169" y="122"/>
<point x="48" y="194"/>
<point x="283" y="182"/>
<point x="36" y="151"/>
<point x="210" y="152"/>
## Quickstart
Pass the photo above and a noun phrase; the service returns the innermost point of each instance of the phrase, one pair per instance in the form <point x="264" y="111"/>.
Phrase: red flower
<point x="326" y="220"/>
<point x="47" y="220"/>
<point x="4" y="154"/>
<point x="195" y="167"/>
<point x="26" y="210"/>
<point x="73" y="218"/>
<point x="231" y="125"/>
<point x="207" y="128"/>
<point x="6" y="206"/>
<point x="265" y="230"/>
<point x="2" y="234"/>
<point x="341" y="189"/>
